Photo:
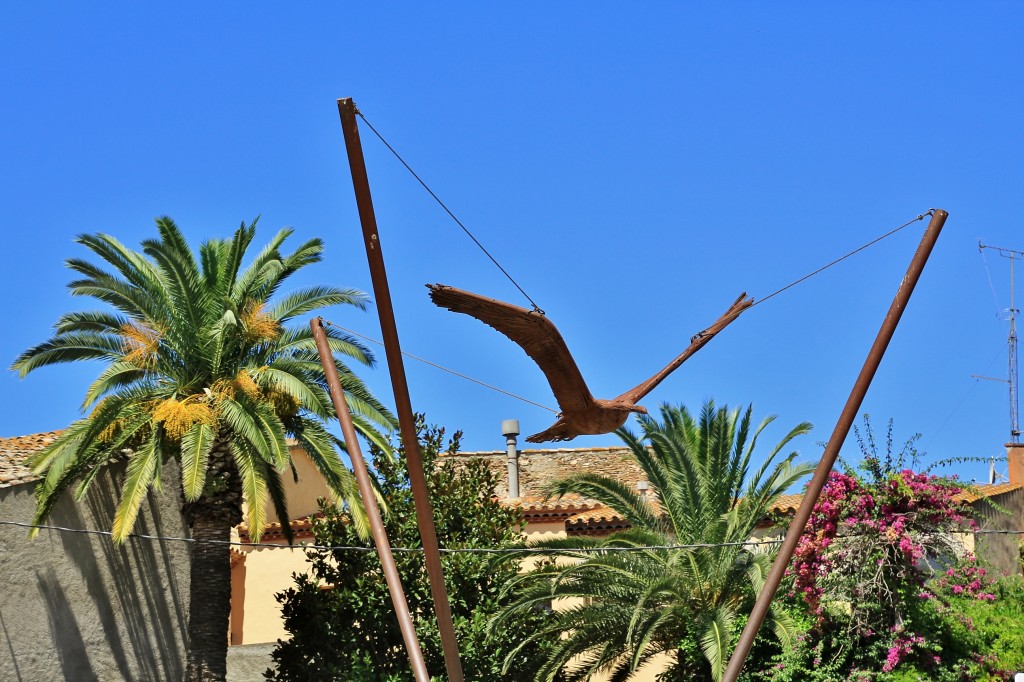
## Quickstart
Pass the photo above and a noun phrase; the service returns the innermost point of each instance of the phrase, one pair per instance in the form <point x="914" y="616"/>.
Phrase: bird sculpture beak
<point x="640" y="409"/>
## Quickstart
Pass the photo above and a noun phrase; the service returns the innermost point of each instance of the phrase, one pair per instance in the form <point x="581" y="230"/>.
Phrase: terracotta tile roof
<point x="787" y="504"/>
<point x="976" y="493"/>
<point x="600" y="520"/>
<point x="302" y="528"/>
<point x="536" y="507"/>
<point x="591" y="516"/>
<point x="13" y="453"/>
<point x="601" y="514"/>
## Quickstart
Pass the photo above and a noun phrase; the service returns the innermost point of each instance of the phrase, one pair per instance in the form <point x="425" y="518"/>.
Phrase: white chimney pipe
<point x="510" y="429"/>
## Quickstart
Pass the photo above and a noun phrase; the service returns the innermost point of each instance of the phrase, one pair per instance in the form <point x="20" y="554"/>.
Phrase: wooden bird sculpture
<point x="582" y="414"/>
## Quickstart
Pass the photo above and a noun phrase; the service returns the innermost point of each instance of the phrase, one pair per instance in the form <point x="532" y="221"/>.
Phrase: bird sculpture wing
<point x="696" y="343"/>
<point x="535" y="334"/>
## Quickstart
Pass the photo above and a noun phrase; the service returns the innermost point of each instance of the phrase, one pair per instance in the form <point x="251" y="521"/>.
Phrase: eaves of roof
<point x="15" y="451"/>
<point x="302" y="528"/>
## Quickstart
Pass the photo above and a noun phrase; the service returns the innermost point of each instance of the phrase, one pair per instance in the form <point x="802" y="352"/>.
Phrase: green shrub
<point x="340" y="615"/>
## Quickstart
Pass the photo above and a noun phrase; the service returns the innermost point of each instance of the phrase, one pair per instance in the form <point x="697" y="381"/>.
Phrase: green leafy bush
<point x="340" y="616"/>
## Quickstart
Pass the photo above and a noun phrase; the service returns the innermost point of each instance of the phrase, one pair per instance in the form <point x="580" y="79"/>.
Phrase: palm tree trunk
<point x="210" y="602"/>
<point x="211" y="518"/>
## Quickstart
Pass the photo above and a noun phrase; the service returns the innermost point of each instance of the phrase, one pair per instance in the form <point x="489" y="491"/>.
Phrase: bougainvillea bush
<point x="883" y="582"/>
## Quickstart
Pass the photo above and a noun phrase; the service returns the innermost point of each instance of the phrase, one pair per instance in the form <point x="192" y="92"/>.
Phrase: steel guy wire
<point x="988" y="273"/>
<point x="356" y="548"/>
<point x="452" y="550"/>
<point x="536" y="308"/>
<point x="842" y="258"/>
<point x="757" y="302"/>
<point x="449" y="212"/>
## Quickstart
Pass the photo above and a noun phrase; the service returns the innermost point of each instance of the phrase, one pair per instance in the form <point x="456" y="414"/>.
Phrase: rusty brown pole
<point x="828" y="459"/>
<point x="366" y="492"/>
<point x="406" y="419"/>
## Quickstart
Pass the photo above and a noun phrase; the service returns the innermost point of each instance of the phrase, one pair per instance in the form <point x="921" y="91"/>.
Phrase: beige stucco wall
<point x="74" y="606"/>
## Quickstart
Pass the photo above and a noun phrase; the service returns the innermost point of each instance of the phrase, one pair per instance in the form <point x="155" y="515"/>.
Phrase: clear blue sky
<point x="635" y="168"/>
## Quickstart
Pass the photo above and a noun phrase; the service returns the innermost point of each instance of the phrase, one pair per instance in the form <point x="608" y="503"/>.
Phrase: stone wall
<point x="75" y="607"/>
<point x="538" y="468"/>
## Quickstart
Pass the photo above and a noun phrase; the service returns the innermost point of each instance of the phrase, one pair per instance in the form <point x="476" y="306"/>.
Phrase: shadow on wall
<point x="132" y="587"/>
<point x="108" y="612"/>
<point x="10" y="648"/>
<point x="64" y="630"/>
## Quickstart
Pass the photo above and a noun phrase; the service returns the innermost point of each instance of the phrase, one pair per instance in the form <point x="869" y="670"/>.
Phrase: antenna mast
<point x="1013" y="255"/>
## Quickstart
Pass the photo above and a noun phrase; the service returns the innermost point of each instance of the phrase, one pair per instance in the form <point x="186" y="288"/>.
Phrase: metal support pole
<point x="366" y="492"/>
<point x="403" y="405"/>
<point x="835" y="443"/>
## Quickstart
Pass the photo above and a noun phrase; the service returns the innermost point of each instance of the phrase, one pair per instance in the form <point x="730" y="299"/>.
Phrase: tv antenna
<point x="995" y="476"/>
<point x="1010" y="313"/>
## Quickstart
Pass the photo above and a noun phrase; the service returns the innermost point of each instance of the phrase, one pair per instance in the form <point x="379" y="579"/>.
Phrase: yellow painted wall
<point x="265" y="571"/>
<point x="302" y="495"/>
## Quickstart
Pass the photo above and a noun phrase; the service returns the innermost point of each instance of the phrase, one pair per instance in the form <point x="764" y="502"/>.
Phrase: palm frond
<point x="89" y="321"/>
<point x="68" y="348"/>
<point x="142" y="468"/>
<point x="235" y="252"/>
<point x="277" y="496"/>
<point x="262" y="271"/>
<point x="610" y="492"/>
<point x="635" y="604"/>
<point x="244" y="424"/>
<point x="254" y="485"/>
<point x="116" y="375"/>
<point x="195" y="452"/>
<point x="714" y="642"/>
<point x="314" y="298"/>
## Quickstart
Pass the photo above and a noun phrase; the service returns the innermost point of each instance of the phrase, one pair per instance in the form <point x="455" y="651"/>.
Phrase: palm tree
<point x="199" y="367"/>
<point x="630" y="598"/>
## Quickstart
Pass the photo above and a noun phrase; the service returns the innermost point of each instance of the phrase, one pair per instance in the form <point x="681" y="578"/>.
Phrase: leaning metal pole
<point x="366" y="492"/>
<point x="406" y="419"/>
<point x="828" y="459"/>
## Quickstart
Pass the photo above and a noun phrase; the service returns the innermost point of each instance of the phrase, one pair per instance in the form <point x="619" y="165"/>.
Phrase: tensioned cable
<point x="536" y="308"/>
<point x="842" y="258"/>
<point x="543" y="407"/>
<point x="967" y="393"/>
<point x="355" y="548"/>
<point x="449" y="212"/>
<point x="442" y="368"/>
<point x="995" y="298"/>
<point x="463" y="550"/>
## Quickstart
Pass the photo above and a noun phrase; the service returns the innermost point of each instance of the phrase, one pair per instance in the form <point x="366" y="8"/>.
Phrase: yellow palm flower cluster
<point x="179" y="416"/>
<point x="140" y="344"/>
